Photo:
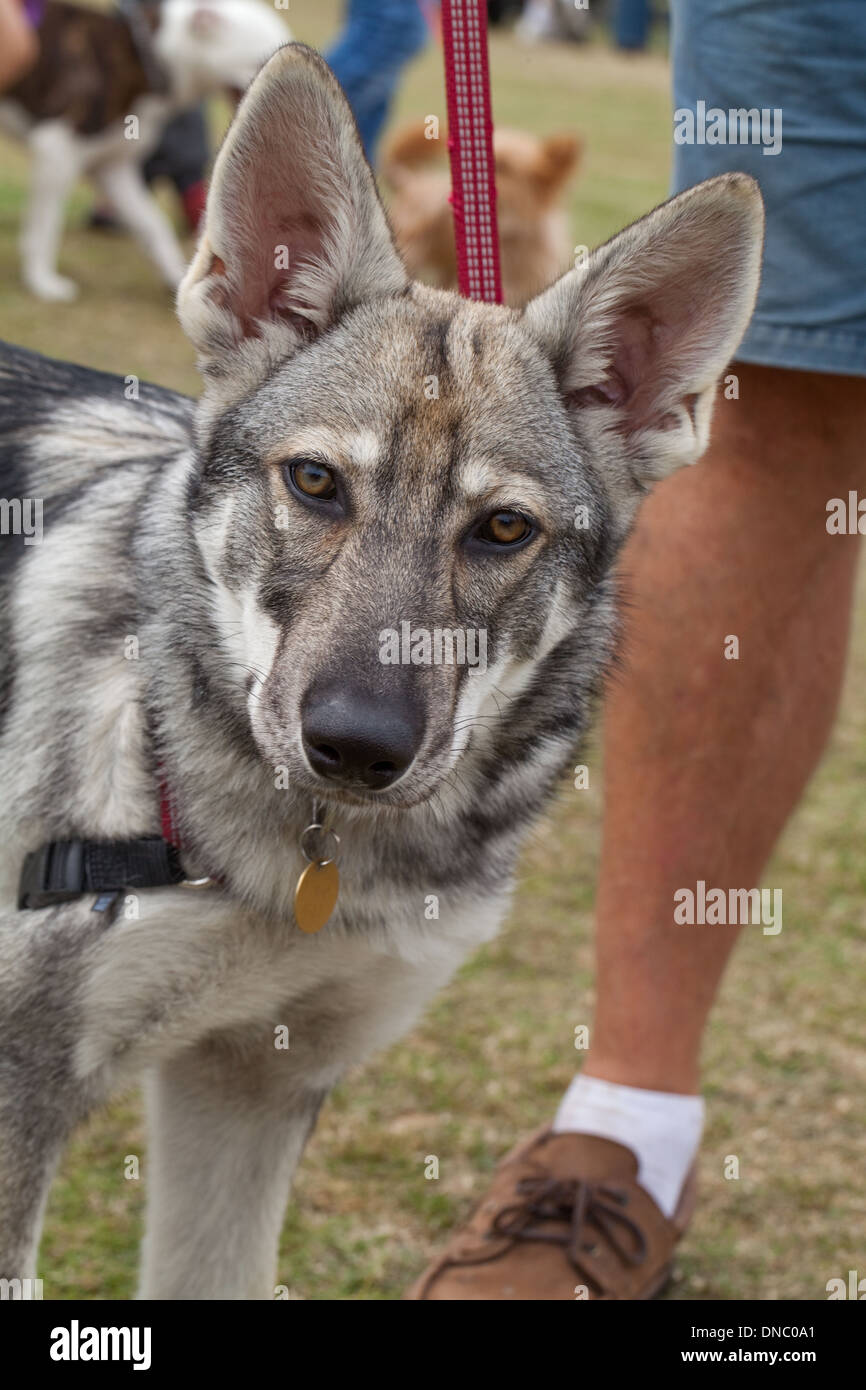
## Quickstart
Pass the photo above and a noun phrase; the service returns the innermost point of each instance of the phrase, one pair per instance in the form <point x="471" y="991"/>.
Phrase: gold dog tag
<point x="316" y="895"/>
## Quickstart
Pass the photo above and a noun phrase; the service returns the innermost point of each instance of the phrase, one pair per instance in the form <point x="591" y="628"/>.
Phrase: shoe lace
<point x="580" y="1205"/>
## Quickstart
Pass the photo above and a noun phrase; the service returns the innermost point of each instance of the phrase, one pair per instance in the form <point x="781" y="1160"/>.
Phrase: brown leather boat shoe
<point x="564" y="1218"/>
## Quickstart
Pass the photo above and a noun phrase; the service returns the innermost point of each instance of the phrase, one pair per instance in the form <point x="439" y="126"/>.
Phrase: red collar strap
<point x="171" y="834"/>
<point x="167" y="819"/>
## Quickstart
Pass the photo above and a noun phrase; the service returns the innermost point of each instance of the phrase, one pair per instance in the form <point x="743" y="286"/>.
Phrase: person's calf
<point x="733" y="655"/>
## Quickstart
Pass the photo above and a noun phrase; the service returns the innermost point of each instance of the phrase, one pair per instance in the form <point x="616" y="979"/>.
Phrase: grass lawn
<point x="785" y="1057"/>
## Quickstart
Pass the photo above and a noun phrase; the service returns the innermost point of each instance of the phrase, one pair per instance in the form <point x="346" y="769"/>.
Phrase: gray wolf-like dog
<point x="205" y="609"/>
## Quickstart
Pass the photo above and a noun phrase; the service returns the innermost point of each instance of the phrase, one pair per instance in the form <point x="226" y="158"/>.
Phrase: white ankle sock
<point x="661" y="1128"/>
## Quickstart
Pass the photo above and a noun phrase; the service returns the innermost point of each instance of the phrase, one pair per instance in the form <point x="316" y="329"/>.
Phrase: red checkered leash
<point x="470" y="148"/>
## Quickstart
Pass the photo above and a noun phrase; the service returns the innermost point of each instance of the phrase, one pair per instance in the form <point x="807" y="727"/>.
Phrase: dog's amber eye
<point x="504" y="528"/>
<point x="313" y="479"/>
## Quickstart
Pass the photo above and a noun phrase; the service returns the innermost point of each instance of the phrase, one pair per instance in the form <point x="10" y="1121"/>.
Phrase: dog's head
<point x="216" y="45"/>
<point x="531" y="174"/>
<point x="381" y="463"/>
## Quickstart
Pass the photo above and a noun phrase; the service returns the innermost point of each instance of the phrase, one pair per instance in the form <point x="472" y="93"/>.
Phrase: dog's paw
<point x="54" y="289"/>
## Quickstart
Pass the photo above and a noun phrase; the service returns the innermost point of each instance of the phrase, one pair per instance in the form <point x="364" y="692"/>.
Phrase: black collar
<point x="64" y="870"/>
<point x="68" y="869"/>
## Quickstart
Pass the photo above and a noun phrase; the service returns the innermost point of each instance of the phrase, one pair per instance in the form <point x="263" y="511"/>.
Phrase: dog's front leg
<point x="42" y="1097"/>
<point x="123" y="185"/>
<point x="32" y="1135"/>
<point x="227" y="1129"/>
<point x="56" y="164"/>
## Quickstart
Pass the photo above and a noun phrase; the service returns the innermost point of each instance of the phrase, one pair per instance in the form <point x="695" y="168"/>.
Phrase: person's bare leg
<point x="705" y="758"/>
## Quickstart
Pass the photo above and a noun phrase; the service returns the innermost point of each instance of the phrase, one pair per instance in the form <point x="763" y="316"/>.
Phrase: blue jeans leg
<point x="631" y="23"/>
<point x="379" y="38"/>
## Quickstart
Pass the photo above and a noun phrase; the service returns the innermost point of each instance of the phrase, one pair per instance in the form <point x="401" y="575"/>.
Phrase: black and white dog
<point x="104" y="86"/>
<point x="211" y="608"/>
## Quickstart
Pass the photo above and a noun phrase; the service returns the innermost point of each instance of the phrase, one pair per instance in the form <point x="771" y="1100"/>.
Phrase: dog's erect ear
<point x="294" y="234"/>
<point x="639" y="337"/>
<point x="559" y="158"/>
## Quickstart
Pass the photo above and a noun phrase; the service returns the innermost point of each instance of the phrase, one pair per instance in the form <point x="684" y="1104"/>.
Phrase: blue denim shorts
<point x="801" y="67"/>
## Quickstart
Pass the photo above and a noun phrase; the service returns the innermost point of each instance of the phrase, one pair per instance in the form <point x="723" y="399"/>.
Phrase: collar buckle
<point x="54" y="873"/>
<point x="66" y="869"/>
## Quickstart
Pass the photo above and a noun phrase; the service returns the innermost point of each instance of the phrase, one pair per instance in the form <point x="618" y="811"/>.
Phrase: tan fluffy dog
<point x="531" y="175"/>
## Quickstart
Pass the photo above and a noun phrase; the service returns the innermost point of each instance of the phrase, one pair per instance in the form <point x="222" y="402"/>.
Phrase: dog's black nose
<point x="359" y="737"/>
